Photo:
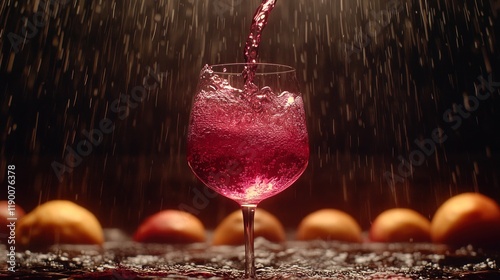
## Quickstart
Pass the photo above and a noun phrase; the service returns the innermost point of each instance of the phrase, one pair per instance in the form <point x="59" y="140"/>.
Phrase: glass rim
<point x="279" y="68"/>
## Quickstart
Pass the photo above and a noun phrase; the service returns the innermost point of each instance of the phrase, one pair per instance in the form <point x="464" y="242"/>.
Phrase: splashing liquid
<point x="251" y="52"/>
<point x="244" y="154"/>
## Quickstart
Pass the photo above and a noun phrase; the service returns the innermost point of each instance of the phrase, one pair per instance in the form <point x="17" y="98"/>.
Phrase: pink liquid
<point x="259" y="21"/>
<point x="244" y="154"/>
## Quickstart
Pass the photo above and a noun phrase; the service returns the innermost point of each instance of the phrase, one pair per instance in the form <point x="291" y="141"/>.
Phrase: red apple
<point x="171" y="226"/>
<point x="15" y="211"/>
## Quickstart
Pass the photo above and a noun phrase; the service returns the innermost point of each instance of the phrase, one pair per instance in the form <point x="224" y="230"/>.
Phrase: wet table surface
<point x="289" y="260"/>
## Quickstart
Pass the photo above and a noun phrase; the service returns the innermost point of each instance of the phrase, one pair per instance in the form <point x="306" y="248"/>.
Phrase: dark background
<point x="364" y="110"/>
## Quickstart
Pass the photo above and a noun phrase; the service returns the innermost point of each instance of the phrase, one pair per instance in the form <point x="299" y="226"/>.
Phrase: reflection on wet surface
<point x="290" y="260"/>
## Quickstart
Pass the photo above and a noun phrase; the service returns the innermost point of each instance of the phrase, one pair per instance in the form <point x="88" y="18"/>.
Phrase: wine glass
<point x="247" y="139"/>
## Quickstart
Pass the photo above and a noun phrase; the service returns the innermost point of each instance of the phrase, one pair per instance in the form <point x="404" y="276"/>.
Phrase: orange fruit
<point x="329" y="224"/>
<point x="468" y="218"/>
<point x="400" y="225"/>
<point x="231" y="232"/>
<point x="58" y="222"/>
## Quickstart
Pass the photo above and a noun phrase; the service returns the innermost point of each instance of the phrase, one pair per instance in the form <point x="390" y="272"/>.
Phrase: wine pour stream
<point x="251" y="52"/>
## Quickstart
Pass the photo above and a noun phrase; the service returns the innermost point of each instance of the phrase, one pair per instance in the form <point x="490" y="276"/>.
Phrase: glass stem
<point x="248" y="217"/>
